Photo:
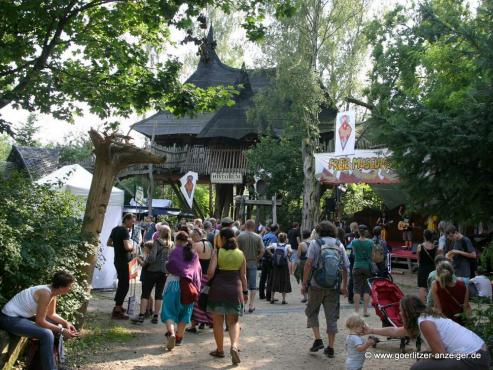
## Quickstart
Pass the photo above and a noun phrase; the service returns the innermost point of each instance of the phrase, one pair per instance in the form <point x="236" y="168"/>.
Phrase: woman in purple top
<point x="184" y="263"/>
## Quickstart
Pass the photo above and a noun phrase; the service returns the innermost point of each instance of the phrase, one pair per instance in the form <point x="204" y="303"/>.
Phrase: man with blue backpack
<point x="325" y="276"/>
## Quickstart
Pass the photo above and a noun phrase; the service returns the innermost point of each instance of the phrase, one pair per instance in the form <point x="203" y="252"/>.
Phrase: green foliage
<point x="431" y="87"/>
<point x="487" y="258"/>
<point x="481" y="322"/>
<point x="5" y="146"/>
<point x="75" y="149"/>
<point x="25" y="134"/>
<point x="39" y="235"/>
<point x="358" y="197"/>
<point x="281" y="158"/>
<point x="58" y="54"/>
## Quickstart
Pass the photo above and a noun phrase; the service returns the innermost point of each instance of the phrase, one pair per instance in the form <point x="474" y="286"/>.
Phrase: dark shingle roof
<point x="228" y="122"/>
<point x="37" y="162"/>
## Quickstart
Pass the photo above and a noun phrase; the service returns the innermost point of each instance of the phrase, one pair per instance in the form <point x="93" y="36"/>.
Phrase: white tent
<point x="77" y="181"/>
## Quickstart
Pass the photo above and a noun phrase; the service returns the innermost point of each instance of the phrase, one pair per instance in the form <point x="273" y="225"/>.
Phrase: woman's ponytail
<point x="188" y="252"/>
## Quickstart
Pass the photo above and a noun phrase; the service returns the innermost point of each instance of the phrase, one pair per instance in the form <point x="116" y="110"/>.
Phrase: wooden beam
<point x="262" y="202"/>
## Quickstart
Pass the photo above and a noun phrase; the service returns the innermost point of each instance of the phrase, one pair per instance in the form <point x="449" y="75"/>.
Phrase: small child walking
<point x="355" y="344"/>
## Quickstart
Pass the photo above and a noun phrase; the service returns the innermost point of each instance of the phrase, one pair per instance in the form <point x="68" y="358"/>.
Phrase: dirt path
<point x="273" y="337"/>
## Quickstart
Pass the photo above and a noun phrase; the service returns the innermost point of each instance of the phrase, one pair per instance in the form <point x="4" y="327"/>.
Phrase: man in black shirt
<point x="120" y="240"/>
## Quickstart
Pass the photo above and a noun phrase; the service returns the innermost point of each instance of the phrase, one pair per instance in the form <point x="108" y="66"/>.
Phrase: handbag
<point x="188" y="292"/>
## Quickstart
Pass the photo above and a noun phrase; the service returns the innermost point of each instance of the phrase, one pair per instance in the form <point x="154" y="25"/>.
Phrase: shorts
<point x="407" y="236"/>
<point x="252" y="275"/>
<point x="150" y="280"/>
<point x="294" y="257"/>
<point x="329" y="298"/>
<point x="360" y="281"/>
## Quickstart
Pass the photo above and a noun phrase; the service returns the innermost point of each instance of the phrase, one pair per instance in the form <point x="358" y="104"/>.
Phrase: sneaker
<point x="318" y="344"/>
<point x="119" y="315"/>
<point x="138" y="319"/>
<point x="171" y="342"/>
<point x="329" y="352"/>
<point x="154" y="319"/>
<point x="304" y="300"/>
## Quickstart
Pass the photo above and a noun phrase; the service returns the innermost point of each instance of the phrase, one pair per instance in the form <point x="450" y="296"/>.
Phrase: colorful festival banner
<point x="188" y="183"/>
<point x="345" y="133"/>
<point x="364" y="166"/>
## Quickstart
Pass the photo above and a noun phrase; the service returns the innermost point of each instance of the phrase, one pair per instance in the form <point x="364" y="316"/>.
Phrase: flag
<point x="345" y="133"/>
<point x="188" y="184"/>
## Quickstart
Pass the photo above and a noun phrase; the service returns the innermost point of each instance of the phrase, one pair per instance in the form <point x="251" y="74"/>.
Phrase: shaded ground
<point x="273" y="337"/>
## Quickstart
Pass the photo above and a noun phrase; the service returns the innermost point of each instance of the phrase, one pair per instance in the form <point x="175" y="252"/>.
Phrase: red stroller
<point x="385" y="297"/>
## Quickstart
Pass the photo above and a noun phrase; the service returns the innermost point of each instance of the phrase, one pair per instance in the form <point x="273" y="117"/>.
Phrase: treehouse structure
<point x="212" y="144"/>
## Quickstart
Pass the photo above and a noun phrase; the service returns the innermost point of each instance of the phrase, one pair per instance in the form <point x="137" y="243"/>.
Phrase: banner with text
<point x="364" y="166"/>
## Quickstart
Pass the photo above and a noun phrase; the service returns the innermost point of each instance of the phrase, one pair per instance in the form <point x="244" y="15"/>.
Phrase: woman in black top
<point x="426" y="256"/>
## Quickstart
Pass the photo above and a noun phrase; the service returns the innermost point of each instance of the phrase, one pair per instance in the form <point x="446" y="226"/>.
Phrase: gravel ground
<point x="273" y="337"/>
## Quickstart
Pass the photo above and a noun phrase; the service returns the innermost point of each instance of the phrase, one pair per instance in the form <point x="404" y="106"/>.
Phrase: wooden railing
<point x="201" y="159"/>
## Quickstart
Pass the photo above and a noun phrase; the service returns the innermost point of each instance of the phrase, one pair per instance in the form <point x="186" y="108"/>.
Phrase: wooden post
<point x="114" y="153"/>
<point x="274" y="210"/>
<point x="211" y="196"/>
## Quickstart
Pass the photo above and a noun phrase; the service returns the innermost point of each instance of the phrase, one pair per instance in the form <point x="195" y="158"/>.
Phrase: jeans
<point x="350" y="290"/>
<point x="252" y="275"/>
<point x="23" y="327"/>
<point x="123" y="284"/>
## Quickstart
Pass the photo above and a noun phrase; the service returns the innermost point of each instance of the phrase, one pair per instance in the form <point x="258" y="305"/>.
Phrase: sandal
<point x="217" y="353"/>
<point x="154" y="319"/>
<point x="191" y="330"/>
<point x="235" y="356"/>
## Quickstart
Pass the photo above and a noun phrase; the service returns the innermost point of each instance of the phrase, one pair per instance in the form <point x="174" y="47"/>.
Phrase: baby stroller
<point x="386" y="296"/>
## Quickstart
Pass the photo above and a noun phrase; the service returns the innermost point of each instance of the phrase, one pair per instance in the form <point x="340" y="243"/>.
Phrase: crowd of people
<point x="204" y="275"/>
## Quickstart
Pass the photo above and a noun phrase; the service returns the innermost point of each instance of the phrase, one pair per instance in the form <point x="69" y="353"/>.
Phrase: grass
<point x="98" y="335"/>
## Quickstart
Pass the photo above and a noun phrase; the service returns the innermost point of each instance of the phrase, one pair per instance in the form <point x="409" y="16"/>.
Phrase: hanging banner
<point x="364" y="166"/>
<point x="345" y="133"/>
<point x="188" y="183"/>
<point x="139" y="196"/>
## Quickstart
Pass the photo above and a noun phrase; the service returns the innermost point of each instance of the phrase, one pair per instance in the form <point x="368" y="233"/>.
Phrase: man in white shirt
<point x="482" y="284"/>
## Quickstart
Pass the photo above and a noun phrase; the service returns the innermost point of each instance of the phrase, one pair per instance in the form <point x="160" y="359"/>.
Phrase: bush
<point x="481" y="322"/>
<point x="40" y="233"/>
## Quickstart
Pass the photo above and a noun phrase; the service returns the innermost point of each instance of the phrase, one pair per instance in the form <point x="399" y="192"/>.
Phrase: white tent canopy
<point x="77" y="180"/>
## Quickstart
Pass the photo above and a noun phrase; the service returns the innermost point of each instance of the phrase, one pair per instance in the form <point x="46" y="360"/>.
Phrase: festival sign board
<point x="226" y="178"/>
<point x="364" y="166"/>
<point x="345" y="133"/>
<point x="188" y="184"/>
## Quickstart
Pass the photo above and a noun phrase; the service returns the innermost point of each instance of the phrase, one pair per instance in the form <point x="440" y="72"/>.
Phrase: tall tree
<point x="433" y="104"/>
<point x="317" y="54"/>
<point x="58" y="54"/>
<point x="27" y="131"/>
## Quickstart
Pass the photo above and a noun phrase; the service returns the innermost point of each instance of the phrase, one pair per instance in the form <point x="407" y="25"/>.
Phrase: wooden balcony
<point x="198" y="158"/>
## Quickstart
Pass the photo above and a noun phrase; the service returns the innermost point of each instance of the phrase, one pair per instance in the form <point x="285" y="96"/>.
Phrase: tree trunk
<point x="311" y="187"/>
<point x="113" y="154"/>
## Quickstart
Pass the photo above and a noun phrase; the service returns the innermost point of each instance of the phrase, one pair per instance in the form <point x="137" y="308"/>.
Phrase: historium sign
<point x="226" y="178"/>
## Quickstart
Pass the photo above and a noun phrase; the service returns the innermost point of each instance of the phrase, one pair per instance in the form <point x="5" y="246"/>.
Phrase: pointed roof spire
<point x="207" y="50"/>
<point x="210" y="35"/>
